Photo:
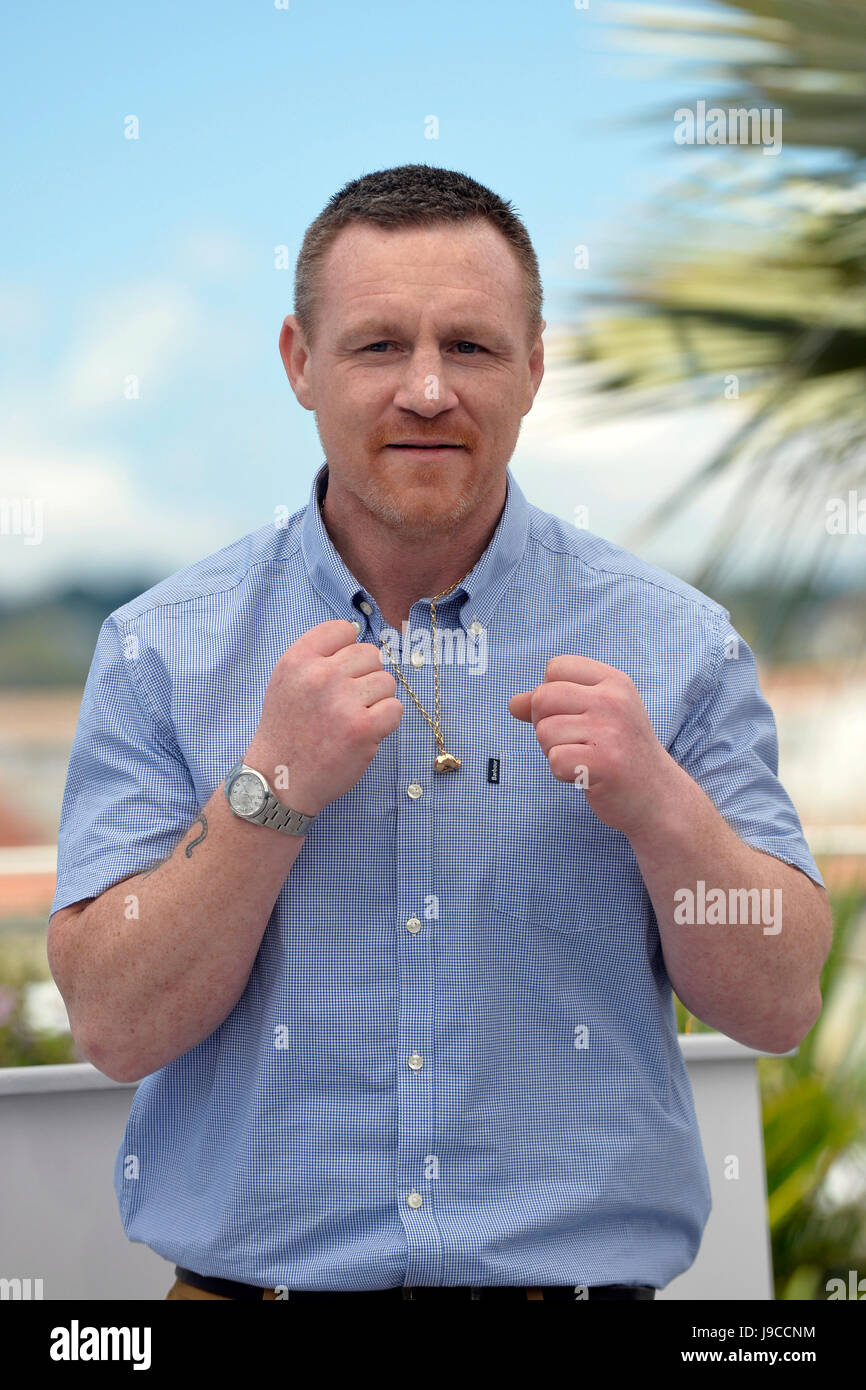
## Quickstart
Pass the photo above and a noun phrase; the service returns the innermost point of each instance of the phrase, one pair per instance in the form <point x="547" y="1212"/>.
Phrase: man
<point x="427" y="776"/>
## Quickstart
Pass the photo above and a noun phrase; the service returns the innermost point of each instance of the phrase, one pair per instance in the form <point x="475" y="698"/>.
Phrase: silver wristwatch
<point x="250" y="797"/>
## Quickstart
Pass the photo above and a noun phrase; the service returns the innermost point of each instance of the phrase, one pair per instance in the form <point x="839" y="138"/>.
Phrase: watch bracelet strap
<point x="276" y="816"/>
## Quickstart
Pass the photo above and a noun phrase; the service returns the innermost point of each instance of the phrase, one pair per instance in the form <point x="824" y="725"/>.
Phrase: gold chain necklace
<point x="443" y="762"/>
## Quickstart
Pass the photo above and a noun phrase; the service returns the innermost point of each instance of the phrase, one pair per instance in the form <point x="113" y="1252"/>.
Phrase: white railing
<point x="60" y="1128"/>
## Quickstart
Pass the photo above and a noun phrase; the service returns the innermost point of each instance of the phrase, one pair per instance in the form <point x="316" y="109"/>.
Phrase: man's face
<point x="421" y="335"/>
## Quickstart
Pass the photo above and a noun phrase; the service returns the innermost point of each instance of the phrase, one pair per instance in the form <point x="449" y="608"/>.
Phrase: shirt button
<point x="365" y="606"/>
<point x="475" y="628"/>
<point x="414" y="790"/>
<point x="417" y="658"/>
<point x="356" y="624"/>
<point x="416" y="1062"/>
<point x="414" y="1199"/>
<point x="413" y="925"/>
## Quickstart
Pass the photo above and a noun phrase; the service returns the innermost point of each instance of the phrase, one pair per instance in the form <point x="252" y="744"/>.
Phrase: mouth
<point x="422" y="449"/>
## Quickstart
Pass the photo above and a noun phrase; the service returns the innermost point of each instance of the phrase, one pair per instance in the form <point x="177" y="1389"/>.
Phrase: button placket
<point x="416" y="796"/>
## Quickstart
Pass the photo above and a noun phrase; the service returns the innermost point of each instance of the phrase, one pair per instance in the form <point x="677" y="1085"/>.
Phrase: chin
<point x="426" y="505"/>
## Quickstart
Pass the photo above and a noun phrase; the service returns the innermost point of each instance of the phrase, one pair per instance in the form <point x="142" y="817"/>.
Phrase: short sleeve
<point x="728" y="744"/>
<point x="129" y="794"/>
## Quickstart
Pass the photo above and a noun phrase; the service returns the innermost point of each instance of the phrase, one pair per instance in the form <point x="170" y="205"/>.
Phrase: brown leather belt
<point x="569" y="1293"/>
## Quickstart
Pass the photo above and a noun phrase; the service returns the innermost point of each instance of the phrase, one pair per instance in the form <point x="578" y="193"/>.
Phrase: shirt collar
<point x="476" y="596"/>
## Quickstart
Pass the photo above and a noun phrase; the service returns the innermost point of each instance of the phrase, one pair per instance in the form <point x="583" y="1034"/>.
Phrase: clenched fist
<point x="328" y="705"/>
<point x="594" y="731"/>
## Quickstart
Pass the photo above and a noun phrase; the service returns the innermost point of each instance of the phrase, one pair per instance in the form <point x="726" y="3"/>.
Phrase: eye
<point x="464" y="343"/>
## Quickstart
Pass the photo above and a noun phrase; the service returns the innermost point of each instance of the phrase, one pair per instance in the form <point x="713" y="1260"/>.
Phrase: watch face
<point x="247" y="795"/>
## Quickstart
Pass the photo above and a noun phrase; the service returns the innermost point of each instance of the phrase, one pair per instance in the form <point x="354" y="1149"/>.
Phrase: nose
<point x="423" y="385"/>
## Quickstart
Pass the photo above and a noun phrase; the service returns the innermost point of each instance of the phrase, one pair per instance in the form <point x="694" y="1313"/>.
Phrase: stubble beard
<point x="418" y="519"/>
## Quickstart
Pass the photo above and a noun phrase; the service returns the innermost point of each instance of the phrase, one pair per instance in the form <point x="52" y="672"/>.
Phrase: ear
<point x="296" y="360"/>
<point x="536" y="367"/>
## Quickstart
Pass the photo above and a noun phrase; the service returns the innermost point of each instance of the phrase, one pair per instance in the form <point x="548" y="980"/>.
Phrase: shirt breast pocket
<point x="557" y="865"/>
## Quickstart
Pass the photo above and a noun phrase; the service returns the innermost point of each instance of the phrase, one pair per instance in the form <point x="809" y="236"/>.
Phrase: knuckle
<point x="374" y="656"/>
<point x="314" y="675"/>
<point x="358" y="725"/>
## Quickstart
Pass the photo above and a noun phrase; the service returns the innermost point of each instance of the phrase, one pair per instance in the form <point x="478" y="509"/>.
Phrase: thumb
<point x="520" y="706"/>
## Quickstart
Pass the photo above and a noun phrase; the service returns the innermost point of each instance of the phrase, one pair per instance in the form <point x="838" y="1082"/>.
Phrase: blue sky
<point x="155" y="256"/>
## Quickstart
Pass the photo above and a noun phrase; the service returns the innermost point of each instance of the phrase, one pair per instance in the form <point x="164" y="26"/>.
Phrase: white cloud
<point x="83" y="506"/>
<point x="95" y="521"/>
<point x="137" y="332"/>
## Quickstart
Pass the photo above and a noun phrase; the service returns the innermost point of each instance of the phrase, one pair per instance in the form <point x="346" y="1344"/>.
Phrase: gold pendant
<point x="444" y="762"/>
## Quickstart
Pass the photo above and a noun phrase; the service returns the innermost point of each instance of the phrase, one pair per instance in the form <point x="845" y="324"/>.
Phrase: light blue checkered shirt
<point x="495" y="929"/>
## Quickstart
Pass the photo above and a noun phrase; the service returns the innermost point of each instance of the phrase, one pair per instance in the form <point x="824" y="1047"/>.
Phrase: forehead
<point x="462" y="263"/>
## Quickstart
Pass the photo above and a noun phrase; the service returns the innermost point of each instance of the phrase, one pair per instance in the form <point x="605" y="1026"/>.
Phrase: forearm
<point x="745" y="962"/>
<point x="154" y="964"/>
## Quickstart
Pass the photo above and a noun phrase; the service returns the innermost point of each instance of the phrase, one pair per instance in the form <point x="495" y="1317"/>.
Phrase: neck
<point x="398" y="568"/>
